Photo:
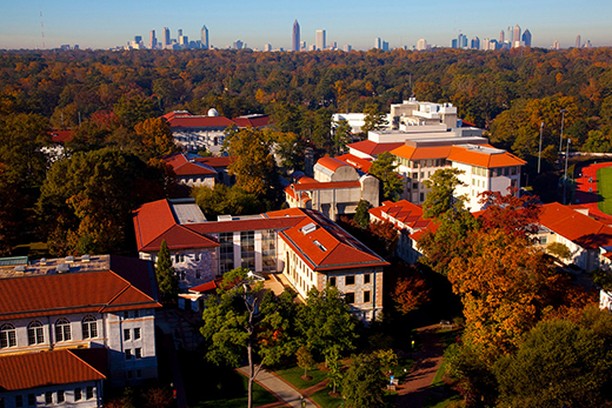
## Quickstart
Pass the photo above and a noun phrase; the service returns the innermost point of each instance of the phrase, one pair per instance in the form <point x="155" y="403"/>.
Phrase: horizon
<point x="30" y="25"/>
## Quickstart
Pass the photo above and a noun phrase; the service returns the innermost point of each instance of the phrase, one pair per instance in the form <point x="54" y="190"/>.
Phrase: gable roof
<point x="372" y="148"/>
<point x="183" y="119"/>
<point x="575" y="226"/>
<point x="331" y="163"/>
<point x="483" y="156"/>
<point x="44" y="369"/>
<point x="255" y="121"/>
<point x="327" y="247"/>
<point x="402" y="214"/>
<point x="182" y="166"/>
<point x="412" y="152"/>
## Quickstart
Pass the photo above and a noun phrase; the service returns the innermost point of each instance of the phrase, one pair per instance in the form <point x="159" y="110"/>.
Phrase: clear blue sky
<point x="109" y="23"/>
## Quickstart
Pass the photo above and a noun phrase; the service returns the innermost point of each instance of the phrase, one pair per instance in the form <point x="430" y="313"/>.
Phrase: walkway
<point x="417" y="389"/>
<point x="280" y="388"/>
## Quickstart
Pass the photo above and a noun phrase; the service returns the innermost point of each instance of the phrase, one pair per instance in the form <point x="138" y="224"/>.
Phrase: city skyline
<point x="35" y="26"/>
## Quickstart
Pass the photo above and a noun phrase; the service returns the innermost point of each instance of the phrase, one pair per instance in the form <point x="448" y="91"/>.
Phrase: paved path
<point x="417" y="388"/>
<point x="280" y="388"/>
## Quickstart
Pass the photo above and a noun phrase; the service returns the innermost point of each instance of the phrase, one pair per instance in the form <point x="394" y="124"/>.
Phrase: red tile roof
<point x="331" y="163"/>
<point x="409" y="214"/>
<point x="183" y="119"/>
<point x="575" y="226"/>
<point x="44" y="369"/>
<point x="483" y="156"/>
<point x="62" y="136"/>
<point x="208" y="287"/>
<point x="184" y="167"/>
<point x="360" y="164"/>
<point x="215" y="162"/>
<point x="327" y="185"/>
<point x="420" y="153"/>
<point x="373" y="149"/>
<point x="328" y="247"/>
<point x="215" y="227"/>
<point x="70" y="293"/>
<point x="256" y="121"/>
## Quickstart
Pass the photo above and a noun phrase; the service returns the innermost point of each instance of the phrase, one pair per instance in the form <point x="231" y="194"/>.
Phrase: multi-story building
<point x="74" y="310"/>
<point x="320" y="40"/>
<point x="204" y="38"/>
<point x="295" y="37"/>
<point x="304" y="246"/>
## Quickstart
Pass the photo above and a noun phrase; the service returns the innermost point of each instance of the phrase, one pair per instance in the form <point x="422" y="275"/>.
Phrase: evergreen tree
<point x="167" y="280"/>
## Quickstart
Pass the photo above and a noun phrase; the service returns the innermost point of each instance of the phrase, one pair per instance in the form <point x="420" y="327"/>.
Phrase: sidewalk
<point x="280" y="388"/>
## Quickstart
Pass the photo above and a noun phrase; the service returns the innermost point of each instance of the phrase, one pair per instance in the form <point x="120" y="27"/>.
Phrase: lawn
<point x="604" y="187"/>
<point x="323" y="399"/>
<point x="260" y="397"/>
<point x="293" y="376"/>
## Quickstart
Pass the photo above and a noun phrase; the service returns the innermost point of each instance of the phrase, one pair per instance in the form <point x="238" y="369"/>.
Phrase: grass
<point x="260" y="397"/>
<point x="604" y="187"/>
<point x="323" y="399"/>
<point x="293" y="376"/>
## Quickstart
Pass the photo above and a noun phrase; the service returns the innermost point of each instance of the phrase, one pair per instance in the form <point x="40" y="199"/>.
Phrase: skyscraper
<point x="516" y="36"/>
<point x="166" y="36"/>
<point x="502" y="37"/>
<point x="204" y="39"/>
<point x="527" y="38"/>
<point x="377" y="43"/>
<point x="152" y="40"/>
<point x="295" y="39"/>
<point x="320" y="43"/>
<point x="578" y="41"/>
<point x="421" y="44"/>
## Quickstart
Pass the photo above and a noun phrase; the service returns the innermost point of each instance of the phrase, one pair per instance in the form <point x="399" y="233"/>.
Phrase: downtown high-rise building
<point x="578" y="41"/>
<point x="502" y="37"/>
<point x="152" y="40"/>
<point x="204" y="37"/>
<point x="526" y="38"/>
<point x="166" y="36"/>
<point x="320" y="43"/>
<point x="295" y="38"/>
<point x="516" y="36"/>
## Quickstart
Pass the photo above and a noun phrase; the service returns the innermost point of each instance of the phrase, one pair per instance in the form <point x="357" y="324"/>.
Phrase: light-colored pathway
<point x="280" y="388"/>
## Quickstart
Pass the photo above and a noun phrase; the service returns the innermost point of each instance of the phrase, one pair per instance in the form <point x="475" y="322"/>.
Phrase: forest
<point x="107" y="97"/>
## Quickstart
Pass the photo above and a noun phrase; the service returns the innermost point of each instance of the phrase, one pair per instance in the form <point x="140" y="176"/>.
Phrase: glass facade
<point x="268" y="250"/>
<point x="247" y="250"/>
<point x="226" y="252"/>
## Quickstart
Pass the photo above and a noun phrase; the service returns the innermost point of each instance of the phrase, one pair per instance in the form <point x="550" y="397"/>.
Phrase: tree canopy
<point x="383" y="168"/>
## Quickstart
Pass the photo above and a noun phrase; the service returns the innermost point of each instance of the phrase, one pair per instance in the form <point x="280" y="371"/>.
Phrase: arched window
<point x="90" y="327"/>
<point x="35" y="333"/>
<point x="62" y="330"/>
<point x="7" y="336"/>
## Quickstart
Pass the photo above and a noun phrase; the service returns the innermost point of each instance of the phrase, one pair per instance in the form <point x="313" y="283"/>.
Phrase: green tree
<point x="559" y="250"/>
<point x="598" y="141"/>
<point x="167" y="281"/>
<point x="341" y="136"/>
<point x="374" y="119"/>
<point x="363" y="383"/>
<point x="133" y="108"/>
<point x="326" y="322"/>
<point x="383" y="168"/>
<point x="334" y="368"/>
<point x="226" y="200"/>
<point x="558" y="364"/>
<point x="305" y="360"/>
<point x="246" y="321"/>
<point x="362" y="215"/>
<point x="440" y="198"/>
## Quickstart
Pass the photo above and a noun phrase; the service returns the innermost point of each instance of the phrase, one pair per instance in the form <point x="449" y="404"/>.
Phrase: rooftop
<point x="483" y="156"/>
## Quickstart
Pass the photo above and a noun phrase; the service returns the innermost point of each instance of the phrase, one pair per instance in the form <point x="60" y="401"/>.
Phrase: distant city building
<point x="268" y="47"/>
<point x="303" y="45"/>
<point x="238" y="45"/>
<point x="348" y="47"/>
<point x="555" y="45"/>
<point x="516" y="36"/>
<point x="527" y="38"/>
<point x="502" y="37"/>
<point x="152" y="40"/>
<point x="475" y="43"/>
<point x="295" y="38"/>
<point x="166" y="36"/>
<point x="204" y="37"/>
<point x="421" y="44"/>
<point x="578" y="41"/>
<point x="320" y="42"/>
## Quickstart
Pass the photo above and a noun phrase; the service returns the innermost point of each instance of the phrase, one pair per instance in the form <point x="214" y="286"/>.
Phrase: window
<point x="366" y="296"/>
<point x="35" y="333"/>
<point x="89" y="392"/>
<point x="90" y="327"/>
<point x="366" y="278"/>
<point x="350" y="297"/>
<point x="31" y="400"/>
<point x="78" y="394"/>
<point x="332" y="281"/>
<point x="7" y="336"/>
<point x="60" y="396"/>
<point x="136" y="313"/>
<point x="178" y="258"/>
<point x="128" y="354"/>
<point x="137" y="333"/>
<point x="138" y="352"/>
<point x="62" y="330"/>
<point x="247" y="249"/>
<point x="226" y="251"/>
<point x="126" y="314"/>
<point x="349" y="280"/>
<point x="48" y="397"/>
<point x="126" y="334"/>
<point x="19" y="401"/>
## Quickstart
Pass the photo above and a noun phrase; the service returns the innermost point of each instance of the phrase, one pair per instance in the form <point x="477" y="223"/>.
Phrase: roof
<point x="326" y="247"/>
<point x="331" y="163"/>
<point x="214" y="161"/>
<point x="215" y="227"/>
<point x="483" y="156"/>
<point x="77" y="292"/>
<point x="62" y="136"/>
<point x="32" y="370"/>
<point x="185" y="167"/>
<point x="208" y="287"/>
<point x="184" y="119"/>
<point x="255" y="121"/>
<point x="402" y="214"/>
<point x="360" y="164"/>
<point x="420" y="153"/>
<point x="372" y="148"/>
<point x="327" y="185"/>
<point x="575" y="226"/>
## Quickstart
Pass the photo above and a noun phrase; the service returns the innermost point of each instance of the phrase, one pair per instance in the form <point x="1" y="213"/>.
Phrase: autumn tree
<point x="167" y="280"/>
<point x="156" y="137"/>
<point x="410" y="293"/>
<point x="510" y="213"/>
<point x="383" y="168"/>
<point x="441" y="196"/>
<point x="244" y="321"/>
<point x="362" y="215"/>
<point x="133" y="108"/>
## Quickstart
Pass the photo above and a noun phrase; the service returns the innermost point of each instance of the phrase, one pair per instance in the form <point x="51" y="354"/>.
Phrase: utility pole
<point x="540" y="150"/>
<point x="565" y="174"/>
<point x="561" y="134"/>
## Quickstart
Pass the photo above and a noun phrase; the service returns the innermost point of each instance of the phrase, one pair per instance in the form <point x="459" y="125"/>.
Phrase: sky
<point x="103" y="24"/>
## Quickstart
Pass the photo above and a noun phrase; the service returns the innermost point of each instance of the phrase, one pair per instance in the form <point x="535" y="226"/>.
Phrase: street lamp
<point x="565" y="174"/>
<point x="540" y="150"/>
<point x="561" y="134"/>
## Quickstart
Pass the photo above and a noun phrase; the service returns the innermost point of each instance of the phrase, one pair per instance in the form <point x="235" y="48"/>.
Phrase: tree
<point x="558" y="364"/>
<point x="410" y="293"/>
<point x="441" y="196"/>
<point x="374" y="119"/>
<point x="326" y="322"/>
<point x="363" y="383"/>
<point x="246" y="321"/>
<point x="226" y="200"/>
<point x="559" y="250"/>
<point x="383" y="168"/>
<point x="362" y="215"/>
<point x="334" y="368"/>
<point x="133" y="108"/>
<point x="341" y="136"/>
<point x="167" y="281"/>
<point x="253" y="165"/>
<point x="156" y="137"/>
<point x="514" y="215"/>
<point x="305" y="360"/>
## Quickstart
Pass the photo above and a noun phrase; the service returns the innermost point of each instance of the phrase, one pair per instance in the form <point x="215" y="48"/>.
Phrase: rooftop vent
<point x="224" y="217"/>
<point x="320" y="245"/>
<point x="63" y="268"/>
<point x="20" y="268"/>
<point x="85" y="258"/>
<point x="70" y="259"/>
<point x="43" y="261"/>
<point x="308" y="228"/>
